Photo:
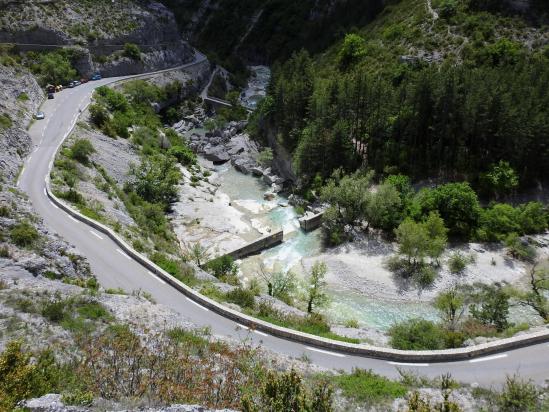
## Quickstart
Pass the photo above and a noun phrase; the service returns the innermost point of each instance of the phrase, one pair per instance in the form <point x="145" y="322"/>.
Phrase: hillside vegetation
<point x="441" y="94"/>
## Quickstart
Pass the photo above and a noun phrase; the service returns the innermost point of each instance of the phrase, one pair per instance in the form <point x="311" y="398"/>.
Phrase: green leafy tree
<point x="413" y="242"/>
<point x="537" y="296"/>
<point x="316" y="294"/>
<point x="156" y="179"/>
<point x="501" y="179"/>
<point x="437" y="232"/>
<point x="352" y="50"/>
<point x="56" y="68"/>
<point x="451" y="306"/>
<point x="491" y="306"/>
<point x="384" y="208"/>
<point x="456" y="203"/>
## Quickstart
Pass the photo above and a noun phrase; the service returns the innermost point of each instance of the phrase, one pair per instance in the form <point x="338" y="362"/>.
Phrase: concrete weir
<point x="258" y="245"/>
<point x="311" y="222"/>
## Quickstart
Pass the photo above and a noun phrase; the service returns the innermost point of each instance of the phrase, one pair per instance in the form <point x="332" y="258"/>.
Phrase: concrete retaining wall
<point x="257" y="246"/>
<point x="311" y="222"/>
<point x="349" y="348"/>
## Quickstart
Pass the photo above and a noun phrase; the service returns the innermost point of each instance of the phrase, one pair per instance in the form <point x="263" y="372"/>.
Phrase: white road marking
<point x="96" y="235"/>
<point x="488" y="358"/>
<point x="408" y="364"/>
<point x="54" y="205"/>
<point x="29" y="159"/>
<point x="45" y="194"/>
<point x="260" y="333"/>
<point x="197" y="304"/>
<point x="72" y="218"/>
<point x="156" y="277"/>
<point x="339" y="355"/>
<point x="35" y="150"/>
<point x="123" y="254"/>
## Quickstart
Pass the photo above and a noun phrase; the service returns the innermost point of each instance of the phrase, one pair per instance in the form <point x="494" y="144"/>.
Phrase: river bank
<point x="228" y="204"/>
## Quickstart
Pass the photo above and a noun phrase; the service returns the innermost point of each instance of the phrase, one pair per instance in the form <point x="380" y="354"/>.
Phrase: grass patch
<point x="314" y="325"/>
<point x="365" y="386"/>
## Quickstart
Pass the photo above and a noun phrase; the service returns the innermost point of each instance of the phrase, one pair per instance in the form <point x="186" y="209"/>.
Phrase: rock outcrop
<point x="99" y="32"/>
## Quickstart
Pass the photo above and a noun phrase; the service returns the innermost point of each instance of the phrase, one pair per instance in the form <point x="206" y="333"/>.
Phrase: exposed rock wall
<point x="100" y="30"/>
<point x="20" y="97"/>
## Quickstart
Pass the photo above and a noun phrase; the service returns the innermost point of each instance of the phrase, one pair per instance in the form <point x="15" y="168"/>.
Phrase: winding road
<point x="115" y="269"/>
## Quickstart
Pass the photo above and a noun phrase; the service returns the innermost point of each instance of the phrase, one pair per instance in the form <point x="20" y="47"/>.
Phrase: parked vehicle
<point x="50" y="88"/>
<point x="51" y="96"/>
<point x="77" y="83"/>
<point x="39" y="116"/>
<point x="96" y="76"/>
<point x="71" y="85"/>
<point x="58" y="88"/>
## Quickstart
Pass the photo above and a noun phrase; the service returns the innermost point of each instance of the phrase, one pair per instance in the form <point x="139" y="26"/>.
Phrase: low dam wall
<point x="311" y="222"/>
<point x="258" y="245"/>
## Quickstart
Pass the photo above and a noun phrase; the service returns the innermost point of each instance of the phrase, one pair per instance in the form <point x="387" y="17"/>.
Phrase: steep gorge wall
<point x="99" y="30"/>
<point x="278" y="27"/>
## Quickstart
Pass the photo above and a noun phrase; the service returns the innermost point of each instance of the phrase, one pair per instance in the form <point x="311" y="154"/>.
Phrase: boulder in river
<point x="216" y="154"/>
<point x="257" y="171"/>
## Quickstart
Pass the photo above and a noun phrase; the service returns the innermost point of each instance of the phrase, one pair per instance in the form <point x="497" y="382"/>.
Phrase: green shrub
<point x="518" y="396"/>
<point x="99" y="115"/>
<point x="23" y="97"/>
<point x="24" y="234"/>
<point x="417" y="334"/>
<point x="222" y="266"/>
<point x="498" y="221"/>
<point x="78" y="398"/>
<point x="5" y="211"/>
<point x="183" y="154"/>
<point x="365" y="386"/>
<point x="243" y="297"/>
<point x="520" y="249"/>
<point x="4" y="252"/>
<point x="457" y="263"/>
<point x="132" y="51"/>
<point x="287" y="392"/>
<point x="81" y="150"/>
<point x="93" y="311"/>
<point x="5" y="121"/>
<point x="194" y="338"/>
<point x="533" y="218"/>
<point x="55" y="311"/>
<point x="169" y="265"/>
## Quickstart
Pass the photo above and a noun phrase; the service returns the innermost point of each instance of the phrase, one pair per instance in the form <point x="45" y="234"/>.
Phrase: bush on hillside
<point x="24" y="234"/>
<point x="417" y="334"/>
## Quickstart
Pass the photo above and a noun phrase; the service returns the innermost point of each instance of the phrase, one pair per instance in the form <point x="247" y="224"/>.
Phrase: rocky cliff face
<point x="100" y="29"/>
<point x="263" y="31"/>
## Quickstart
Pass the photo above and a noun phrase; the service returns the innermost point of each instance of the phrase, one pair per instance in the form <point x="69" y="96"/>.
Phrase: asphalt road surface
<point x="114" y="269"/>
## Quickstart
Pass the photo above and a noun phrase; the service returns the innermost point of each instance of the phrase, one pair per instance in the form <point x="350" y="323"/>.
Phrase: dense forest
<point x="450" y="122"/>
<point x="263" y="31"/>
<point x="366" y="104"/>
